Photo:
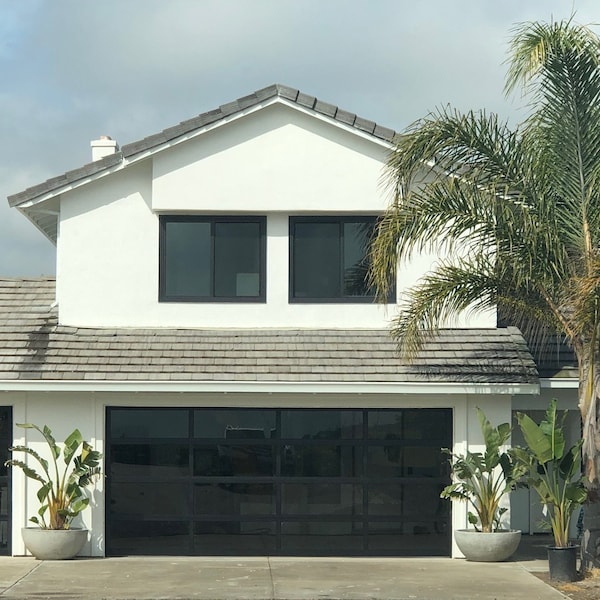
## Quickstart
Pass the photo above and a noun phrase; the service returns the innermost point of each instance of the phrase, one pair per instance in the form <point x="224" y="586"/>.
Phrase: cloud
<point x="73" y="70"/>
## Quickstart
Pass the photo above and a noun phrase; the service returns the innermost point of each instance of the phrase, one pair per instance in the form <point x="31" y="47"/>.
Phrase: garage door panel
<point x="278" y="481"/>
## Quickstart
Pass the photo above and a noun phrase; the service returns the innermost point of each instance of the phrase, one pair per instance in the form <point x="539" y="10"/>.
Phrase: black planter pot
<point x="562" y="563"/>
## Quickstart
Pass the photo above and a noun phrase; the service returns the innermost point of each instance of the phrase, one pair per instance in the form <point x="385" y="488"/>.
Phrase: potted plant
<point x="481" y="480"/>
<point x="61" y="493"/>
<point x="554" y="472"/>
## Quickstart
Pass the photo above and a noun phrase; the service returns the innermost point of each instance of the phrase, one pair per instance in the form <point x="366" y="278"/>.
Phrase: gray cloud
<point x="73" y="70"/>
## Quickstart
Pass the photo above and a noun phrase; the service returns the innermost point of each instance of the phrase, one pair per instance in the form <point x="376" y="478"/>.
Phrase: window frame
<point x="261" y="221"/>
<point x="340" y="220"/>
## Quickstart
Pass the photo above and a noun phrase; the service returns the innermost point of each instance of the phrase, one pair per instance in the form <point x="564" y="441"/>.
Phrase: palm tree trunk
<point x="589" y="405"/>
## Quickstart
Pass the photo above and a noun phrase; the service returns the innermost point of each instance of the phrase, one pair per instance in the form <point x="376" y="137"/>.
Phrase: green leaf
<point x="536" y="439"/>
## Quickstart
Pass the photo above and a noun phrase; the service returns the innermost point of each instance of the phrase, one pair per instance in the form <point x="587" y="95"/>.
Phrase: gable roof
<point x="35" y="347"/>
<point x="133" y="150"/>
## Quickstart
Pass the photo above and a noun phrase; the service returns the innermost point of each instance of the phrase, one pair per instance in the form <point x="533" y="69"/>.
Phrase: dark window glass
<point x="144" y="537"/>
<point x="234" y="424"/>
<point x="316" y="256"/>
<point x="234" y="499"/>
<point x="320" y="461"/>
<point x="410" y="424"/>
<point x="212" y="258"/>
<point x="322" y="537"/>
<point x="148" y="460"/>
<point x="235" y="538"/>
<point x="322" y="498"/>
<point x="141" y="499"/>
<point x="187" y="259"/>
<point x="321" y="424"/>
<point x="329" y="259"/>
<point x="228" y="460"/>
<point x="149" y="423"/>
<point x="396" y="460"/>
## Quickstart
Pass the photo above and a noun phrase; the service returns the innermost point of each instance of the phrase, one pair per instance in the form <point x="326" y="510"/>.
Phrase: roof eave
<point x="351" y="387"/>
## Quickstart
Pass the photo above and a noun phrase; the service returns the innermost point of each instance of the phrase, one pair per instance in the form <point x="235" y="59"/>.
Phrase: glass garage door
<point x="6" y="441"/>
<point x="277" y="481"/>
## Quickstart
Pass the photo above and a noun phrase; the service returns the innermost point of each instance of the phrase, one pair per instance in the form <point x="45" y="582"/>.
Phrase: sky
<point x="73" y="70"/>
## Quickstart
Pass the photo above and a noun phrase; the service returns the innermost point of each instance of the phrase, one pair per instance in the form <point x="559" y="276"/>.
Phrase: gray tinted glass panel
<point x="356" y="247"/>
<point x="237" y="260"/>
<point x="234" y="499"/>
<point x="321" y="499"/>
<point x="321" y="424"/>
<point x="187" y="259"/>
<point x="149" y="460"/>
<point x="149" y="423"/>
<point x="234" y="424"/>
<point x="317" y="260"/>
<point x="150" y="500"/>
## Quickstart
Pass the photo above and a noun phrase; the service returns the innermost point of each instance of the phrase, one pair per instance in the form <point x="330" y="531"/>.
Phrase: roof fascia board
<point x="354" y="388"/>
<point x="559" y="383"/>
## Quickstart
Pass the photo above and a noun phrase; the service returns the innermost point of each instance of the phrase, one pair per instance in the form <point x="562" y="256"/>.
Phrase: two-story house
<point x="210" y="330"/>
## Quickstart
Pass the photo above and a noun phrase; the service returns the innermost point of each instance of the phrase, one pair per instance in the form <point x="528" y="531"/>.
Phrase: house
<point x="210" y="331"/>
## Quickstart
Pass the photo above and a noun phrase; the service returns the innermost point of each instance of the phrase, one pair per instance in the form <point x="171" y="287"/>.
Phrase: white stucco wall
<point x="86" y="410"/>
<point x="276" y="162"/>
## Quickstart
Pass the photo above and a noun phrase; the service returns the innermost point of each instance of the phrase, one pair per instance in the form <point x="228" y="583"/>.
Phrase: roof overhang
<point x="275" y="387"/>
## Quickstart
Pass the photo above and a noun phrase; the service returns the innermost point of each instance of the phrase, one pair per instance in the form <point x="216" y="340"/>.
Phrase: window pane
<point x="149" y="537"/>
<point x="356" y="247"/>
<point x="321" y="424"/>
<point x="227" y="460"/>
<point x="316" y="254"/>
<point x="237" y="259"/>
<point x="141" y="499"/>
<point x="149" y="460"/>
<point x="187" y="259"/>
<point x="234" y="424"/>
<point x="322" y="537"/>
<point x="320" y="461"/>
<point x="149" y="423"/>
<point x="322" y="499"/>
<point x="236" y="499"/>
<point x="235" y="538"/>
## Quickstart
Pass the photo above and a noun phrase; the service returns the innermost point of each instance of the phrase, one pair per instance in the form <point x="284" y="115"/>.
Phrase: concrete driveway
<point x="171" y="578"/>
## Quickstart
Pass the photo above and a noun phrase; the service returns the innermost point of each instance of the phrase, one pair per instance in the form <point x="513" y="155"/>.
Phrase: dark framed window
<point x="212" y="259"/>
<point x="329" y="259"/>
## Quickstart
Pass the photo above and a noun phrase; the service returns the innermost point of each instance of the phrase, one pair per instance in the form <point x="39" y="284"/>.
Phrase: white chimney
<point x="103" y="147"/>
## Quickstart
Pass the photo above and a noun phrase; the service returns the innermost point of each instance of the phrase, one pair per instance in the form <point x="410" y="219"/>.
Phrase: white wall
<point x="276" y="162"/>
<point x="62" y="412"/>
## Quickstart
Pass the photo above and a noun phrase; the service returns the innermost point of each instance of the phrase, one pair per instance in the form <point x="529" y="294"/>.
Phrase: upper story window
<point x="329" y="259"/>
<point x="212" y="259"/>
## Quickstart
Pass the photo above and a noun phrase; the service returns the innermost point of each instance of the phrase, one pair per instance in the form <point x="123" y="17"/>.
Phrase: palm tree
<point x="515" y="214"/>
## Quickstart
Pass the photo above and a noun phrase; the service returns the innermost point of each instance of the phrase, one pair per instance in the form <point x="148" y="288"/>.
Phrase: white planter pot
<point x="54" y="544"/>
<point x="487" y="547"/>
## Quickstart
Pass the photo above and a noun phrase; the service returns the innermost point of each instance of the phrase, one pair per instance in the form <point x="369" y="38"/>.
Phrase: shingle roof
<point x="33" y="346"/>
<point x="208" y="118"/>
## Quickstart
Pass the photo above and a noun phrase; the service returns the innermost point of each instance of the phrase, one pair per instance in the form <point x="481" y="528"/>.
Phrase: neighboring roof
<point x="212" y="117"/>
<point x="33" y="346"/>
